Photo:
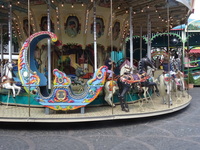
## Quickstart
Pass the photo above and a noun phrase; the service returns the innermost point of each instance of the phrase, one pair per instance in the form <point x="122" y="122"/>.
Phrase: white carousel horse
<point x="171" y="81"/>
<point x="125" y="69"/>
<point x="180" y="84"/>
<point x="7" y="81"/>
<point x="165" y="83"/>
<point x="109" y="89"/>
<point x="111" y="86"/>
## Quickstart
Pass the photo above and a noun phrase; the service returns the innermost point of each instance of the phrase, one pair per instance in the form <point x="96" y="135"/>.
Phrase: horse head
<point x="7" y="67"/>
<point x="179" y="74"/>
<point x="146" y="62"/>
<point x="143" y="65"/>
<point x="150" y="71"/>
<point x="125" y="69"/>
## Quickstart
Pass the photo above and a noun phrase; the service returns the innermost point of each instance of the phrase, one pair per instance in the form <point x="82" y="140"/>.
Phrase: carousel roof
<point x="193" y="26"/>
<point x="195" y="50"/>
<point x="179" y="10"/>
<point x="183" y="26"/>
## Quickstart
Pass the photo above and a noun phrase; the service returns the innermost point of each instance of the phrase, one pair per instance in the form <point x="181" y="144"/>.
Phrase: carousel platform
<point x="138" y="109"/>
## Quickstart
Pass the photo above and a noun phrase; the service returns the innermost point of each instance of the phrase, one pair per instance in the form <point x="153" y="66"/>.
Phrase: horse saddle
<point x="126" y="78"/>
<point x="6" y="79"/>
<point x="167" y="77"/>
<point x="136" y="77"/>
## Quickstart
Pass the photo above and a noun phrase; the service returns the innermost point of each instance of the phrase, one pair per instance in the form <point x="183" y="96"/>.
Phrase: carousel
<point x="74" y="60"/>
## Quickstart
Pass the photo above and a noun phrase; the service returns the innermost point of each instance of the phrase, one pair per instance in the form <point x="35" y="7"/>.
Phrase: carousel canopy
<point x="193" y="26"/>
<point x="183" y="26"/>
<point x="195" y="50"/>
<point x="179" y="10"/>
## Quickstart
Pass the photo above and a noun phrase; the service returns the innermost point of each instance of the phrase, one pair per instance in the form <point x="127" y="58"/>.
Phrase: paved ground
<point x="177" y="131"/>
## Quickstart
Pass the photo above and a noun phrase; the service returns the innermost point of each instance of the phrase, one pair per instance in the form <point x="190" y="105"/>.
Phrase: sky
<point x="196" y="14"/>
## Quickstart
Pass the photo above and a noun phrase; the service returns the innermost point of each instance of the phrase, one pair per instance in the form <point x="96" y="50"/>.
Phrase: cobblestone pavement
<point x="176" y="131"/>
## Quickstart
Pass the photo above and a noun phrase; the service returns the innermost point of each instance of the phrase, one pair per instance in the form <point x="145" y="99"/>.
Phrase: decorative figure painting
<point x="25" y="27"/>
<point x="44" y="24"/>
<point x="72" y="26"/>
<point x="116" y="30"/>
<point x="99" y="27"/>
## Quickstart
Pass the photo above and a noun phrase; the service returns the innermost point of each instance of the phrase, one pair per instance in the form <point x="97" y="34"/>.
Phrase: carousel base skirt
<point x="137" y="109"/>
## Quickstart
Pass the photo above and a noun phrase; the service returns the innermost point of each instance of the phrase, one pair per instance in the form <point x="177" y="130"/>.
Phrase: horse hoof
<point x="157" y="93"/>
<point x="125" y="109"/>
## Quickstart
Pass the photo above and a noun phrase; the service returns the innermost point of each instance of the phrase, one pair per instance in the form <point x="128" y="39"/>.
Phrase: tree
<point x="190" y="78"/>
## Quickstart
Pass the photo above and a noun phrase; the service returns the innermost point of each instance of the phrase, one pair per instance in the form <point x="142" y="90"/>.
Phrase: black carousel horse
<point x="128" y="80"/>
<point x="146" y="67"/>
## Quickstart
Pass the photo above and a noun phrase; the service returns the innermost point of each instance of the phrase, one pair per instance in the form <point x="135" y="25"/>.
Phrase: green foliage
<point x="197" y="81"/>
<point x="190" y="78"/>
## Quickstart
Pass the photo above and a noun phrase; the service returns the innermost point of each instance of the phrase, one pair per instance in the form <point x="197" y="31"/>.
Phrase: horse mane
<point x="125" y="69"/>
<point x="4" y="68"/>
<point x="143" y="65"/>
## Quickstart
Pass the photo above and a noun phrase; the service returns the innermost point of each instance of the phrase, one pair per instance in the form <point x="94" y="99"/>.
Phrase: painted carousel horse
<point x="111" y="86"/>
<point x="179" y="76"/>
<point x="7" y="80"/>
<point x="181" y="84"/>
<point x="165" y="82"/>
<point x="128" y="80"/>
<point x="125" y="82"/>
<point x="168" y="81"/>
<point x="146" y="68"/>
